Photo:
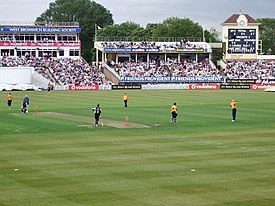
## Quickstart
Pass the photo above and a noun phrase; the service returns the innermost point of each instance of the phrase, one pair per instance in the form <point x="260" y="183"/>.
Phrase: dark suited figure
<point x="97" y="112"/>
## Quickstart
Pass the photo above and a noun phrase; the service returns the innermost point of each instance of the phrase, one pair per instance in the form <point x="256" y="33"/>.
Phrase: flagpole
<point x="95" y="31"/>
<point x="95" y="46"/>
<point x="203" y="37"/>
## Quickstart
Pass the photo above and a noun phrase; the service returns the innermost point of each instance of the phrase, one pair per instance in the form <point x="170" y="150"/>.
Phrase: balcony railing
<point x="39" y="24"/>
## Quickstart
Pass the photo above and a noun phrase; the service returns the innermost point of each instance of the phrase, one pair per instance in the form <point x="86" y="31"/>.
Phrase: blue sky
<point x="208" y="13"/>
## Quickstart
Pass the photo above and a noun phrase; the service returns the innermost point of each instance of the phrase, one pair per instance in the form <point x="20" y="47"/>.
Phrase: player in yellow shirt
<point x="9" y="100"/>
<point x="174" y="112"/>
<point x="233" y="106"/>
<point x="49" y="87"/>
<point x="125" y="99"/>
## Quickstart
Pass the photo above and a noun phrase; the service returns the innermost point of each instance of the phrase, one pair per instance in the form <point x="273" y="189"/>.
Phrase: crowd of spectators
<point x="250" y="70"/>
<point x="184" y="43"/>
<point x="76" y="71"/>
<point x="11" y="61"/>
<point x="63" y="71"/>
<point x="167" y="68"/>
<point x="66" y="71"/>
<point x="234" y="70"/>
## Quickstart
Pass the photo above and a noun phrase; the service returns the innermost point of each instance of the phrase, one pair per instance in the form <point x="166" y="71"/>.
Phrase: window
<point x="74" y="52"/>
<point x="61" y="53"/>
<point x="6" y="37"/>
<point x="66" y="38"/>
<point x="45" y="37"/>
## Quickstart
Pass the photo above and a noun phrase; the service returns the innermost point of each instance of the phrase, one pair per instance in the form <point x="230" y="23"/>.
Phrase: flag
<point x="97" y="28"/>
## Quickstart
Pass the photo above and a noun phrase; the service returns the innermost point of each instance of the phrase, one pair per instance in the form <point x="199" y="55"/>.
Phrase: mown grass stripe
<point x="202" y="160"/>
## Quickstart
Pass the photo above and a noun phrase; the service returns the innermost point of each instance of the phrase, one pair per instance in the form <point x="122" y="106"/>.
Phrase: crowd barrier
<point x="204" y="86"/>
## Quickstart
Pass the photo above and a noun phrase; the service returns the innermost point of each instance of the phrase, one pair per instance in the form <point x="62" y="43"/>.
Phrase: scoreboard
<point x="242" y="41"/>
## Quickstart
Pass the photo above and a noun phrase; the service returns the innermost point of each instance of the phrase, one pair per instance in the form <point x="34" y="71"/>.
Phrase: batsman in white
<point x="97" y="114"/>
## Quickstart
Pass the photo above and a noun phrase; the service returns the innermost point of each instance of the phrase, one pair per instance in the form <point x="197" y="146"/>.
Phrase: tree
<point x="214" y="35"/>
<point x="87" y="13"/>
<point x="169" y="29"/>
<point x="149" y="30"/>
<point x="267" y="34"/>
<point x="125" y="31"/>
<point x="176" y="27"/>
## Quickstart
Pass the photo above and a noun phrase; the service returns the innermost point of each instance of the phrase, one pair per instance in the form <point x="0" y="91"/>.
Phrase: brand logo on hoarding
<point x="204" y="86"/>
<point x="85" y="87"/>
<point x="260" y="86"/>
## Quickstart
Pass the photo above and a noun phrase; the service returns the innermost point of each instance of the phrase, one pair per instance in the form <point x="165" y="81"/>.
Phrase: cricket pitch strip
<point x="89" y="120"/>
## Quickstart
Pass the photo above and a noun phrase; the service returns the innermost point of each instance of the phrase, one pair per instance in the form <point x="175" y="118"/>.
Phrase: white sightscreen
<point x="16" y="75"/>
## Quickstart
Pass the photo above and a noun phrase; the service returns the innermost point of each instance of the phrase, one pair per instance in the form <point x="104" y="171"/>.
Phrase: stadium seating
<point x="62" y="71"/>
<point x="168" y="68"/>
<point x="250" y="70"/>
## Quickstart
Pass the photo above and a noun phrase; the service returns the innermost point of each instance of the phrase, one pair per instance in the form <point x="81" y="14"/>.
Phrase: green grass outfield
<point x="204" y="159"/>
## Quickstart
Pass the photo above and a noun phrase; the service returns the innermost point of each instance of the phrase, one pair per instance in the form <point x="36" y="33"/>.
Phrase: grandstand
<point x="60" y="71"/>
<point x="40" y="39"/>
<point x="188" y="60"/>
<point x="160" y="57"/>
<point x="51" y="49"/>
<point x="130" y="50"/>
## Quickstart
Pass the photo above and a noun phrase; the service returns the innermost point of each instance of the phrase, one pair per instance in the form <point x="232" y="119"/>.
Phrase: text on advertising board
<point x="179" y="79"/>
<point x="204" y="86"/>
<point x="116" y="87"/>
<point x="44" y="30"/>
<point x="260" y="86"/>
<point x="80" y="87"/>
<point x="234" y="86"/>
<point x="241" y="81"/>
